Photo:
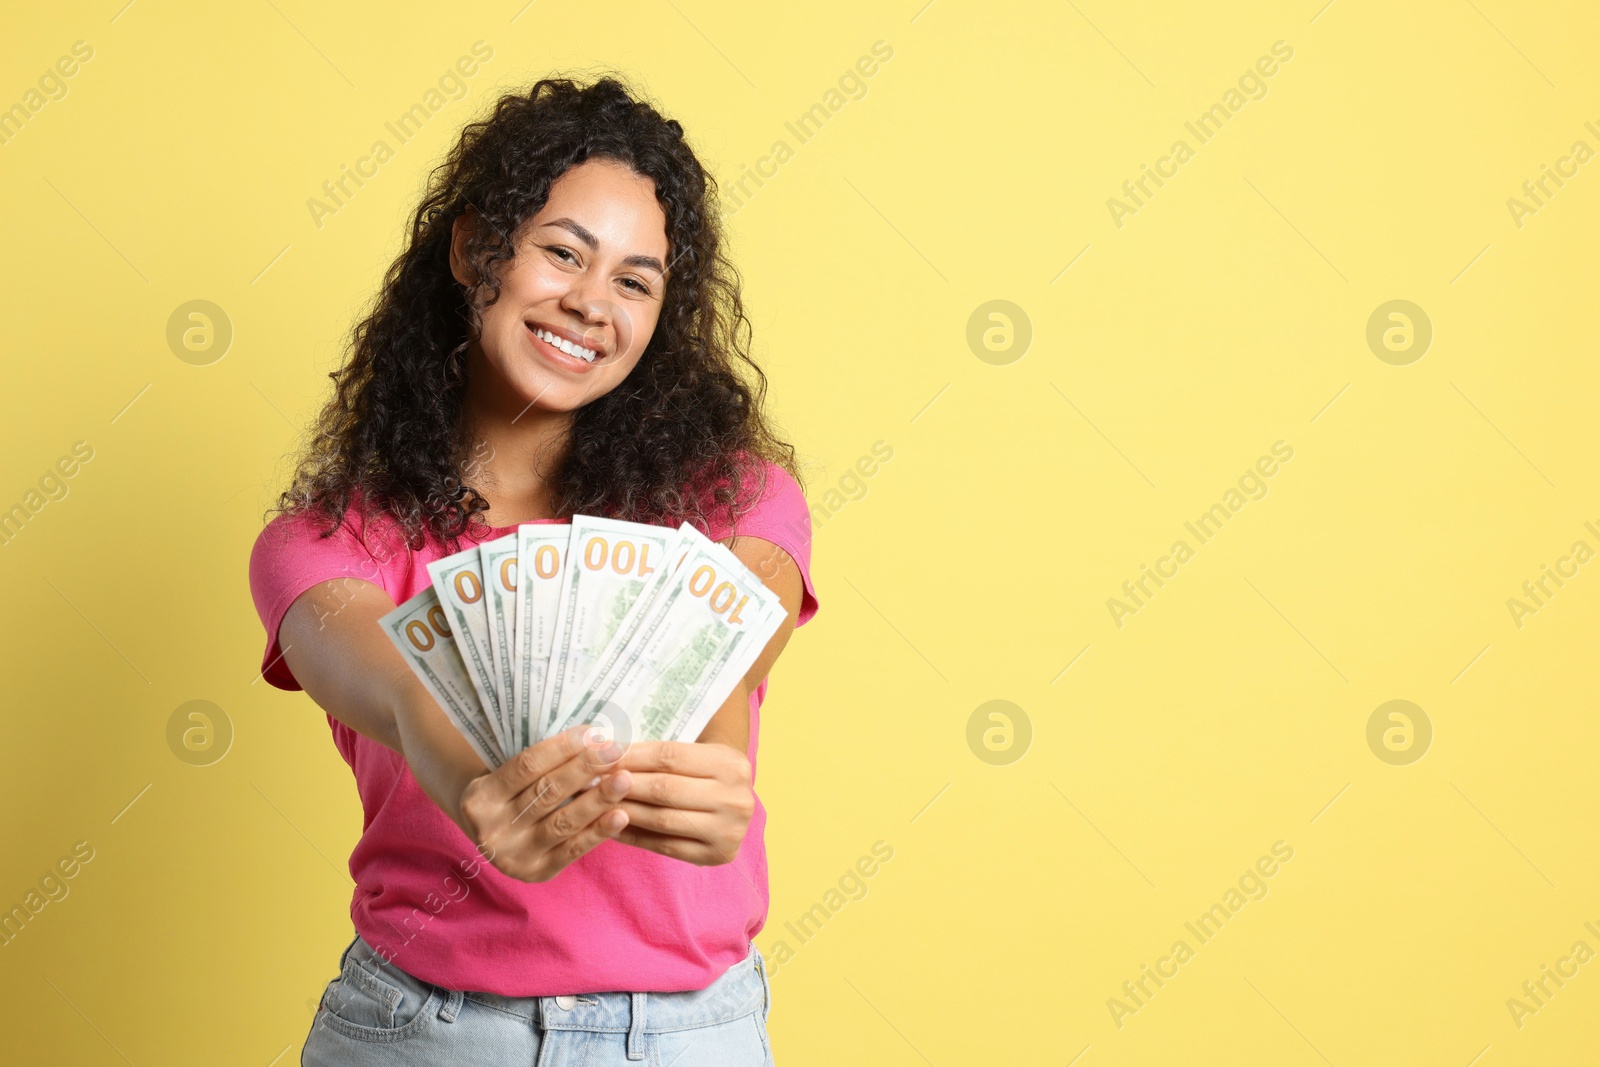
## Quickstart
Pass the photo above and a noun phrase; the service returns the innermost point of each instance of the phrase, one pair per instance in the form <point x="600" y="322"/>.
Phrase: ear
<point x="463" y="226"/>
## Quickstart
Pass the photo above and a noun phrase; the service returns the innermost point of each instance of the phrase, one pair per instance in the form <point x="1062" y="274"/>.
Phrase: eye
<point x="560" y="251"/>
<point x="638" y="285"/>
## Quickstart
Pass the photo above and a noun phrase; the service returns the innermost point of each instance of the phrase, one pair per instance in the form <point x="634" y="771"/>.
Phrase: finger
<point x="697" y="825"/>
<point x="678" y="848"/>
<point x="550" y="791"/>
<point x="538" y="760"/>
<point x="610" y="825"/>
<point x="676" y="791"/>
<point x="678" y="757"/>
<point x="567" y="819"/>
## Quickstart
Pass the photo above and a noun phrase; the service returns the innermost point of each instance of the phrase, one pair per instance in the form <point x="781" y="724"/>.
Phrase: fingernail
<point x="611" y="753"/>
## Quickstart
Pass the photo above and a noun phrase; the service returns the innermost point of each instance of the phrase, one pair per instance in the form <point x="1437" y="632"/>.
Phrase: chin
<point x="547" y="395"/>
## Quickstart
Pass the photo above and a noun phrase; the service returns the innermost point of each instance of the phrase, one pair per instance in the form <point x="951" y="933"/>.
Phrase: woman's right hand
<point x="335" y="646"/>
<point x="515" y="815"/>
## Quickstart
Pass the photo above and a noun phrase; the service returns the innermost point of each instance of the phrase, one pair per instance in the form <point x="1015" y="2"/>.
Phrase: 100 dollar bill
<point x="458" y="580"/>
<point x="541" y="554"/>
<point x="608" y="564"/>
<point x="421" y="632"/>
<point x="687" y="651"/>
<point x="498" y="560"/>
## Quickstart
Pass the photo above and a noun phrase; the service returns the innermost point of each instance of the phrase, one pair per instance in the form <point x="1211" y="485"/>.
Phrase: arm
<point x="334" y="646"/>
<point x="336" y="650"/>
<point x="693" y="801"/>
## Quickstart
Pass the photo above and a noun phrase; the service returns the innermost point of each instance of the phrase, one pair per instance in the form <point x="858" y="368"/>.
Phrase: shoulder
<point x="769" y="495"/>
<point x="355" y="533"/>
<point x="298" y="549"/>
<point x="775" y="510"/>
<point x="293" y="535"/>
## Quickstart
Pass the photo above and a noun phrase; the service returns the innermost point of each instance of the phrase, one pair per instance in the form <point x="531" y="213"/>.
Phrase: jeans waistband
<point x="739" y="991"/>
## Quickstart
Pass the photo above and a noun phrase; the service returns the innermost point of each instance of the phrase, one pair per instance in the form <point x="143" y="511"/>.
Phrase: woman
<point x="562" y="335"/>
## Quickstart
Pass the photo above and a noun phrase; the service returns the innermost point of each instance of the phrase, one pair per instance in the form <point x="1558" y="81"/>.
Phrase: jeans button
<point x="566" y="1003"/>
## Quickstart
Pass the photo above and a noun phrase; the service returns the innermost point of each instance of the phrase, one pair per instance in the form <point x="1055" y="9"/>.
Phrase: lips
<point x="570" y="347"/>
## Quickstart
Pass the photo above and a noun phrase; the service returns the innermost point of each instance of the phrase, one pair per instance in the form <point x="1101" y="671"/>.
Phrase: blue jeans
<point x="375" y="1013"/>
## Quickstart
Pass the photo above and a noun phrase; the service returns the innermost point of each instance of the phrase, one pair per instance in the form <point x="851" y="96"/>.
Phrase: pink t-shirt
<point x="620" y="918"/>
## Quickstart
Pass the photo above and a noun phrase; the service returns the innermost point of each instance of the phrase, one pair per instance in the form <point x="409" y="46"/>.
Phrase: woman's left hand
<point x="688" y="800"/>
<point x="692" y="800"/>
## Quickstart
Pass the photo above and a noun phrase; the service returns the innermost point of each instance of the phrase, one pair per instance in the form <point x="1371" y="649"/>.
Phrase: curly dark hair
<point x="672" y="443"/>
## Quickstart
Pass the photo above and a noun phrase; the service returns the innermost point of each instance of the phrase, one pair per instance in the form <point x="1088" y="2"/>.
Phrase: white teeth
<point x="585" y="354"/>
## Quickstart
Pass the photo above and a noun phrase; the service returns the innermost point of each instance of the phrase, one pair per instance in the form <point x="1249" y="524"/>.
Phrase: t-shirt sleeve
<point x="783" y="517"/>
<point x="289" y="557"/>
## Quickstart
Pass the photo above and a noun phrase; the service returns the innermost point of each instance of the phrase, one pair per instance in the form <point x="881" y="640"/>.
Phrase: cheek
<point x="528" y="285"/>
<point x="502" y="325"/>
<point x="640" y="327"/>
<point x="519" y="289"/>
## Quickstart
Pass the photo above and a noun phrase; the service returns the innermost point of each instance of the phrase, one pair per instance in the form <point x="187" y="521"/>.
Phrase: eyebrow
<point x="577" y="230"/>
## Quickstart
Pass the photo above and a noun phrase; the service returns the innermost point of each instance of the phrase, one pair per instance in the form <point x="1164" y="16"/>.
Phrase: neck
<point x="514" y="448"/>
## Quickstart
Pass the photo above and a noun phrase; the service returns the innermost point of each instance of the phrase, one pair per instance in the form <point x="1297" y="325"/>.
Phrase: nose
<point x="586" y="298"/>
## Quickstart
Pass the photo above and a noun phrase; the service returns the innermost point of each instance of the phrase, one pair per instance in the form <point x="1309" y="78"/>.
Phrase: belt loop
<point x="452" y="1006"/>
<point x="346" y="953"/>
<point x="636" y="1026"/>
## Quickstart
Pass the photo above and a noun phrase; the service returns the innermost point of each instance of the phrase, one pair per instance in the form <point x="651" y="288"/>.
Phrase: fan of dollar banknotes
<point x="640" y="630"/>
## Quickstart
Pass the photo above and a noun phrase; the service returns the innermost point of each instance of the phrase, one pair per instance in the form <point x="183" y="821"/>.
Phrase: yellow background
<point x="1228" y="313"/>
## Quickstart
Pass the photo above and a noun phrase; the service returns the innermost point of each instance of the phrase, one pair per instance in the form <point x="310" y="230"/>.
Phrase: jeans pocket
<point x="740" y="1042"/>
<point x="766" y="1040"/>
<point x="376" y="1001"/>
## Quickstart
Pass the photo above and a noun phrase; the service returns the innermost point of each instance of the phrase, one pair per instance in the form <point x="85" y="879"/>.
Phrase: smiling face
<point x="580" y="301"/>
